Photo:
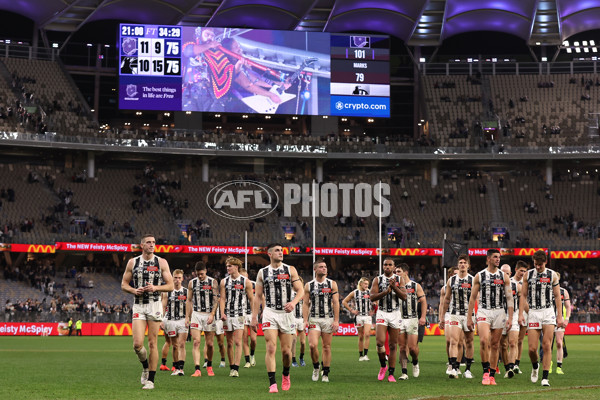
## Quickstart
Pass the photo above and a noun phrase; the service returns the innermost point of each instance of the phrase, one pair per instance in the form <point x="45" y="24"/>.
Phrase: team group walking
<point x="502" y="307"/>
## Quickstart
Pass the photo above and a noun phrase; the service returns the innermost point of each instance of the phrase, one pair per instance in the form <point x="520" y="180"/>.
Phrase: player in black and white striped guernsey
<point x="452" y="270"/>
<point x="540" y="291"/>
<point x="456" y="305"/>
<point x="491" y="288"/>
<point x="363" y="312"/>
<point x="300" y="334"/>
<point x="150" y="275"/>
<point x="520" y="271"/>
<point x="388" y="289"/>
<point x="249" y="333"/>
<point x="174" y="321"/>
<point x="201" y="308"/>
<point x="559" y="333"/>
<point x="408" y="336"/>
<point x="274" y="286"/>
<point x="321" y="314"/>
<point x="235" y="288"/>
<point x="510" y="334"/>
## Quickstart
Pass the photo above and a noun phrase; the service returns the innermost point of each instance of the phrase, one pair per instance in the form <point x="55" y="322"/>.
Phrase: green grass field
<point x="107" y="368"/>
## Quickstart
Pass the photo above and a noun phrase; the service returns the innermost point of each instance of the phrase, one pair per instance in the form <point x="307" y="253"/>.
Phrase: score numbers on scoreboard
<point x="150" y="50"/>
<point x="360" y="79"/>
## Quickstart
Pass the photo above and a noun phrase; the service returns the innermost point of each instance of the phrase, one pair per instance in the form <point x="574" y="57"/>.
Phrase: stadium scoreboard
<point x="329" y="74"/>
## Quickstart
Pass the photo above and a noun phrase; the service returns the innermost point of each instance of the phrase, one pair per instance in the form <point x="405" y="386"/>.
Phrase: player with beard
<point x="388" y="290"/>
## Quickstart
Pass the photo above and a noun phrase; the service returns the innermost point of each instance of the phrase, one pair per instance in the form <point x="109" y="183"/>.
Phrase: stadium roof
<point x="417" y="22"/>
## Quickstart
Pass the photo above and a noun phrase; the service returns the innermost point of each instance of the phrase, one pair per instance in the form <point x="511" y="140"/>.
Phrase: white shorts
<point x="514" y="326"/>
<point x="391" y="319"/>
<point x="299" y="324"/>
<point x="539" y="318"/>
<point x="150" y="312"/>
<point x="234" y="323"/>
<point x="446" y="318"/>
<point x="459" y="321"/>
<point x="324" y="325"/>
<point x="496" y="319"/>
<point x="526" y="316"/>
<point x="362" y="320"/>
<point x="410" y="326"/>
<point x="174" y="328"/>
<point x="199" y="321"/>
<point x="247" y="319"/>
<point x="280" y="320"/>
<point x="219" y="327"/>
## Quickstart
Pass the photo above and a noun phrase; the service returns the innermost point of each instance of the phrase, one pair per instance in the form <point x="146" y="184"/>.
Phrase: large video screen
<point x="205" y="69"/>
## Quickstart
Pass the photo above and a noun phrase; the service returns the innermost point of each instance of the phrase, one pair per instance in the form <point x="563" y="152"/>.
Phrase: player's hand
<point x="442" y="323"/>
<point x="508" y="324"/>
<point x="254" y="324"/>
<point x="565" y="322"/>
<point x="289" y="307"/>
<point x="139" y="291"/>
<point x="187" y="322"/>
<point x="335" y="327"/>
<point x="522" y="320"/>
<point x="149" y="288"/>
<point x="422" y="321"/>
<point x="470" y="324"/>
<point x="560" y="322"/>
<point x="210" y="319"/>
<point x="223" y="317"/>
<point x="354" y="312"/>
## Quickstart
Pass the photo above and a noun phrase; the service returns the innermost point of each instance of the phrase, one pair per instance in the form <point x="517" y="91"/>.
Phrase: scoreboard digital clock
<point x="177" y="68"/>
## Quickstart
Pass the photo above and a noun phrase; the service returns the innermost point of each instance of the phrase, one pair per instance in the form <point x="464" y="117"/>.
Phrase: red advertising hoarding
<point x="114" y="329"/>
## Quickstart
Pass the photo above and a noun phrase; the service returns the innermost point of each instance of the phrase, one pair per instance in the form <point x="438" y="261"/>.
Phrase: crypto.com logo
<point x="242" y="200"/>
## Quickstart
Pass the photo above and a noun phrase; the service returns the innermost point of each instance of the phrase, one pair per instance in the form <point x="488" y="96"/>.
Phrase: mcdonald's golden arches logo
<point x="164" y="248"/>
<point x="405" y="252"/>
<point x="527" y="251"/>
<point x="118" y="330"/>
<point x="41" y="248"/>
<point x="573" y="254"/>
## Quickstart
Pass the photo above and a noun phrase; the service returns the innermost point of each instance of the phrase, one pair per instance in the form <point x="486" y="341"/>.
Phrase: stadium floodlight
<point x="55" y="45"/>
<point x="577" y="50"/>
<point x="592" y="43"/>
<point x="594" y="49"/>
<point x="544" y="59"/>
<point x="576" y="44"/>
<point x="422" y="59"/>
<point x="566" y="43"/>
<point x="584" y="43"/>
<point x="586" y="49"/>
<point x="569" y="50"/>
